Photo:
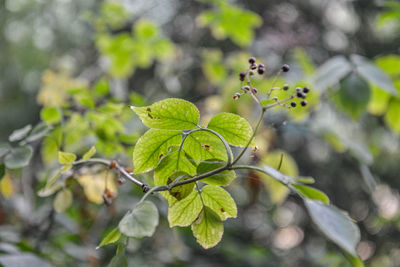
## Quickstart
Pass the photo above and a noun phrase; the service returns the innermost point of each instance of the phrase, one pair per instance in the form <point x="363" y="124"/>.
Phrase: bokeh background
<point x="88" y="60"/>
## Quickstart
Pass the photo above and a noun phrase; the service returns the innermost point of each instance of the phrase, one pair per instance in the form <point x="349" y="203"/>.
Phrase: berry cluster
<point x="300" y="93"/>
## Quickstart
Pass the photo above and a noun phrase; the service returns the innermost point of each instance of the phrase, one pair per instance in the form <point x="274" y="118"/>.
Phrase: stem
<point x="252" y="137"/>
<point x="151" y="190"/>
<point x="280" y="177"/>
<point x="279" y="102"/>
<point x="227" y="147"/>
<point x="117" y="166"/>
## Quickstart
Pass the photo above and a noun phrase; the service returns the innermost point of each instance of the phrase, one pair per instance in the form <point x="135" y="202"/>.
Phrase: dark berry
<point x="306" y="89"/>
<point x="300" y="94"/>
<point x="293" y="104"/>
<point x="261" y="71"/>
<point x="254" y="90"/>
<point x="253" y="66"/>
<point x="242" y="75"/>
<point x="285" y="68"/>
<point x="261" y="66"/>
<point x="286" y="87"/>
<point x="303" y="103"/>
<point x="252" y="60"/>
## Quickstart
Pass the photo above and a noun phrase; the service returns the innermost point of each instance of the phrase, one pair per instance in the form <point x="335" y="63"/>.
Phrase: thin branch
<point x="252" y="137"/>
<point x="121" y="169"/>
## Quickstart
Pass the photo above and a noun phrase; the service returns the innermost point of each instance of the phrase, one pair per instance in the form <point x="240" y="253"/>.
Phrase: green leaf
<point x="335" y="224"/>
<point x="354" y="95"/>
<point x="38" y="132"/>
<point x="374" y="74"/>
<point x="223" y="178"/>
<point x="141" y="221"/>
<point x="185" y="211"/>
<point x="152" y="146"/>
<point x="50" y="115"/>
<point x="331" y="72"/>
<point x="235" y="129"/>
<point x="171" y="113"/>
<point x="19" y="157"/>
<point x="311" y="193"/>
<point x="203" y="145"/>
<point x="182" y="191"/>
<point x="112" y="237"/>
<point x="4" y="149"/>
<point x="168" y="166"/>
<point x="392" y="116"/>
<point x="20" y="133"/>
<point x="230" y="21"/>
<point x="378" y="101"/>
<point x="119" y="260"/>
<point x="220" y="201"/>
<point x="90" y="153"/>
<point x="63" y="200"/>
<point x="208" y="228"/>
<point x="2" y="170"/>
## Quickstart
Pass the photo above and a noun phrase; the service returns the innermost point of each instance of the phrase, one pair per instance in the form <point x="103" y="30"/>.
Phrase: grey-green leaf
<point x="2" y="170"/>
<point x="335" y="224"/>
<point x="374" y="74"/>
<point x="223" y="178"/>
<point x="152" y="147"/>
<point x="171" y="113"/>
<point x="353" y="96"/>
<point x="235" y="129"/>
<point x="20" y="134"/>
<point x="19" y="157"/>
<point x="331" y="72"/>
<point x="119" y="260"/>
<point x="40" y="130"/>
<point x="141" y="221"/>
<point x="4" y="149"/>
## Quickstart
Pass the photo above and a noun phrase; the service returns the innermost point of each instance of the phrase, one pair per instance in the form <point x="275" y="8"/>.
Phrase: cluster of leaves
<point x="126" y="51"/>
<point x="229" y="21"/>
<point x="177" y="148"/>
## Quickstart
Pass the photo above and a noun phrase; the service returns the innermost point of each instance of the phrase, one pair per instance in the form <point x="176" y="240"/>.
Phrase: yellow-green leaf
<point x="112" y="237"/>
<point x="171" y="113"/>
<point x="208" y="228"/>
<point x="63" y="200"/>
<point x="185" y="211"/>
<point x="90" y="153"/>
<point x="66" y="158"/>
<point x="220" y="201"/>
<point x="311" y="193"/>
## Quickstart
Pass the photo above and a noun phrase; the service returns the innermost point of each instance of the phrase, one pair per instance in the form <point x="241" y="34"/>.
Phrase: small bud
<point x="298" y="89"/>
<point x="252" y="60"/>
<point x="304" y="96"/>
<point x="251" y="73"/>
<point x="306" y="89"/>
<point x="303" y="103"/>
<point x="242" y="75"/>
<point x="293" y="104"/>
<point x="255" y="148"/>
<point x="236" y="96"/>
<point x="254" y="90"/>
<point x="246" y="88"/>
<point x="253" y="66"/>
<point x="285" y="68"/>
<point x="113" y="164"/>
<point x="121" y="180"/>
<point x="275" y="98"/>
<point x="286" y="87"/>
